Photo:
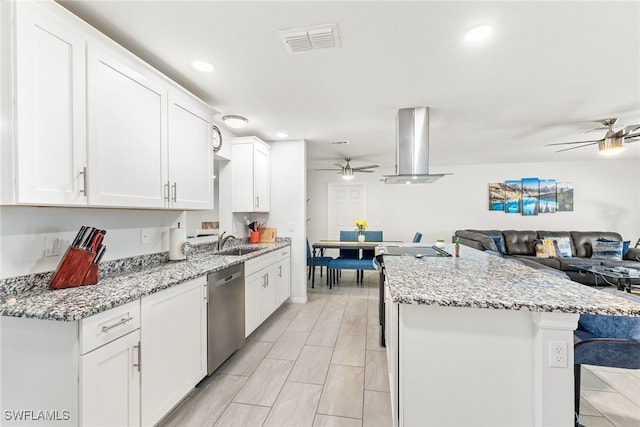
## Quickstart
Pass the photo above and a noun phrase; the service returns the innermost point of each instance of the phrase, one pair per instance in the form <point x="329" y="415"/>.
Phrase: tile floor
<point x="315" y="364"/>
<point x="320" y="364"/>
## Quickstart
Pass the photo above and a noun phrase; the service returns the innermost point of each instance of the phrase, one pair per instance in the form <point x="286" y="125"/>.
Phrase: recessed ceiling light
<point x="478" y="33"/>
<point x="203" y="66"/>
<point x="235" y="122"/>
<point x="282" y="135"/>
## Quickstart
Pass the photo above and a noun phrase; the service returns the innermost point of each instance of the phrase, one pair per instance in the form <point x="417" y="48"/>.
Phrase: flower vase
<point x="360" y="238"/>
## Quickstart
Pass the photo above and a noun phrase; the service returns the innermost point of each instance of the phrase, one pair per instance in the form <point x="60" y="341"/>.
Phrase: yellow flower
<point x="361" y="224"/>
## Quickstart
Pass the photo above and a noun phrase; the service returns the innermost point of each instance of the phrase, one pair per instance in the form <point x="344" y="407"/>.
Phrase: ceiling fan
<point x="347" y="171"/>
<point x="613" y="141"/>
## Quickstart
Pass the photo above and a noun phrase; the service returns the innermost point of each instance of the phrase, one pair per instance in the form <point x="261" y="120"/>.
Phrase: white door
<point x="110" y="383"/>
<point x="190" y="156"/>
<point x="51" y="149"/>
<point x="345" y="204"/>
<point x="127" y="134"/>
<point x="173" y="333"/>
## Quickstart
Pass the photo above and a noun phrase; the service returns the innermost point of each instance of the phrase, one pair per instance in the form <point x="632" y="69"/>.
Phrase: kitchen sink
<point x="238" y="251"/>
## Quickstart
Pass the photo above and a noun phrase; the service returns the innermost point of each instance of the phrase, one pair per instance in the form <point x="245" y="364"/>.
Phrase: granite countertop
<point x="30" y="296"/>
<point x="480" y="280"/>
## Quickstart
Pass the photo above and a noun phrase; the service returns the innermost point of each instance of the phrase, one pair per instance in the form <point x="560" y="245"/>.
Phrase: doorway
<point x="345" y="204"/>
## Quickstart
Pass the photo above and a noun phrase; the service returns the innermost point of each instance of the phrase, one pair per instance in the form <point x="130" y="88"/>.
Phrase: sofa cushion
<point x="478" y="236"/>
<point x="543" y="234"/>
<point x="604" y="249"/>
<point x="565" y="263"/>
<point x="582" y="241"/>
<point x="520" y="242"/>
<point x="633" y="254"/>
<point x="547" y="262"/>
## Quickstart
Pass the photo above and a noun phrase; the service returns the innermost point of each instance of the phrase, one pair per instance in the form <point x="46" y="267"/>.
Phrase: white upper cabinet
<point x="91" y="124"/>
<point x="190" y="155"/>
<point x="50" y="140"/>
<point x="127" y="134"/>
<point x="250" y="175"/>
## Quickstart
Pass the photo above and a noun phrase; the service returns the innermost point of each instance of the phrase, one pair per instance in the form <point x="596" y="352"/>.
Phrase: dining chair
<point x="417" y="237"/>
<point x="612" y="341"/>
<point x="369" y="236"/>
<point x="351" y="259"/>
<point x="320" y="261"/>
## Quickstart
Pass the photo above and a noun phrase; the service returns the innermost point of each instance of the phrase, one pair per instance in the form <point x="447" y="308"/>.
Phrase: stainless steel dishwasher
<point x="225" y="315"/>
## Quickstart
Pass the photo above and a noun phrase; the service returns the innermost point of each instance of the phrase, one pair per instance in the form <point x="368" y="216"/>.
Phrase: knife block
<point x="76" y="268"/>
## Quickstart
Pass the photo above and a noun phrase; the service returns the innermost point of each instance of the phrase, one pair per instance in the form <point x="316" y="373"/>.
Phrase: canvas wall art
<point x="548" y="202"/>
<point x="564" y="196"/>
<point x="513" y="195"/>
<point x="497" y="191"/>
<point x="531" y="196"/>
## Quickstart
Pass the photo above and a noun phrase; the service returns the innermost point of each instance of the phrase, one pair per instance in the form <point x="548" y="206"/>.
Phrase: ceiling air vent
<point x="303" y="39"/>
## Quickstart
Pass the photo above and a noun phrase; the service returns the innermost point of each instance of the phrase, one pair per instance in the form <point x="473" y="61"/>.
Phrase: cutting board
<point x="268" y="235"/>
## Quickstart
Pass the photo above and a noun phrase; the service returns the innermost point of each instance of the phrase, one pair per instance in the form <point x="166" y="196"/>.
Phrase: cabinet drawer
<point x="283" y="253"/>
<point x="105" y="327"/>
<point x="254" y="265"/>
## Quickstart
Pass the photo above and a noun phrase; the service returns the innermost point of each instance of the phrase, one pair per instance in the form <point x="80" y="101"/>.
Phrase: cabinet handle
<point x="257" y="201"/>
<point x="279" y="271"/>
<point x="83" y="172"/>
<point x="206" y="292"/>
<point x="166" y="189"/>
<point x="121" y="322"/>
<point x="136" y="348"/>
<point x="175" y="191"/>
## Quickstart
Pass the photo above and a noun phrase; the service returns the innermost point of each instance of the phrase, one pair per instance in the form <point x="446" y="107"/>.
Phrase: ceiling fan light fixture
<point x="610" y="146"/>
<point x="235" y="122"/>
<point x="347" y="176"/>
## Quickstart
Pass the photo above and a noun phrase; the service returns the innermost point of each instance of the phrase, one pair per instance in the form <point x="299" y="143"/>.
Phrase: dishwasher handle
<point x="216" y="280"/>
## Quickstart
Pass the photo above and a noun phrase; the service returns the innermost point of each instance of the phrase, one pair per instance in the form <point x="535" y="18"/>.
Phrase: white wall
<point x="288" y="208"/>
<point x="607" y="197"/>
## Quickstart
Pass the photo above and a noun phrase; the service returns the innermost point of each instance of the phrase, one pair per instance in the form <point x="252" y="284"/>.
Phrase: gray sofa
<point x="520" y="245"/>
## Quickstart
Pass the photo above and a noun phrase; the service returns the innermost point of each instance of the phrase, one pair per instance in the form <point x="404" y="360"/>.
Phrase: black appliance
<point x="412" y="251"/>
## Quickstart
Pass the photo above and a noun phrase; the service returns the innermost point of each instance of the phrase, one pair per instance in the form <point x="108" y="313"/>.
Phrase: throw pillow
<point x="625" y="248"/>
<point x="499" y="241"/>
<point x="540" y="249"/>
<point x="607" y="250"/>
<point x="549" y="247"/>
<point x="562" y="246"/>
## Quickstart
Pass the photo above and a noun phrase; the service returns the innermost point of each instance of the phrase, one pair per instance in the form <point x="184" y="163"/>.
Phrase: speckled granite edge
<point x="121" y="281"/>
<point x="479" y="280"/>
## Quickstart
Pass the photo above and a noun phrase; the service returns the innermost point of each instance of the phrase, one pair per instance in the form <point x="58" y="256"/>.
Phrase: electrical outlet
<point x="558" y="354"/>
<point x="145" y="236"/>
<point x="53" y="246"/>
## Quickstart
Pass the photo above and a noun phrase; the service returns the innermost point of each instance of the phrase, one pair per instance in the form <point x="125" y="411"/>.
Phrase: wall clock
<point x="216" y="138"/>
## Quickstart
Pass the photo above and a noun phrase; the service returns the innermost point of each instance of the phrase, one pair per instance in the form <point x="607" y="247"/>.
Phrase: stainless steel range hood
<point x="412" y="149"/>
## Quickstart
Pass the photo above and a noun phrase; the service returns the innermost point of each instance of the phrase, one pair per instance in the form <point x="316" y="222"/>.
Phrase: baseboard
<point x="297" y="300"/>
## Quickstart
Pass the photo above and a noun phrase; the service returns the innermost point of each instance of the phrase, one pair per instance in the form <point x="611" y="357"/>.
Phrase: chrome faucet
<point x="222" y="240"/>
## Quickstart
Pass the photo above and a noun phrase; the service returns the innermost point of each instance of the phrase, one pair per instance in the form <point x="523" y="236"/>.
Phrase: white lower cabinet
<point x="267" y="286"/>
<point x="174" y="347"/>
<point x="110" y="383"/>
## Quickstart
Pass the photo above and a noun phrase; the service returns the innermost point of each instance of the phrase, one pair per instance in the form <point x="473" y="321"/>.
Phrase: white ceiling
<point x="548" y="71"/>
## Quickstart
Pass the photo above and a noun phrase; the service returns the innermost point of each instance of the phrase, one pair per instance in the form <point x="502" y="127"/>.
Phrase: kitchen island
<point x="482" y="341"/>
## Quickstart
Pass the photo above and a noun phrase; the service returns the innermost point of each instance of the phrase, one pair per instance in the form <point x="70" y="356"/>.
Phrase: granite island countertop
<point x="480" y="280"/>
<point x="37" y="300"/>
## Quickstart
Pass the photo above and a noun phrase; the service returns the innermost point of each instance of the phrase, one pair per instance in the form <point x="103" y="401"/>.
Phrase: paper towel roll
<point x="177" y="237"/>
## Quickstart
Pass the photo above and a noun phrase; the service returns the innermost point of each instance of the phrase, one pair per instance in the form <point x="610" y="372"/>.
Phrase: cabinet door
<point x="283" y="280"/>
<point x="110" y="383"/>
<point x="242" y="199"/>
<point x="174" y="346"/>
<point x="127" y="134"/>
<point x="268" y="298"/>
<point x="51" y="133"/>
<point x="261" y="177"/>
<point x="190" y="156"/>
<point x="253" y="301"/>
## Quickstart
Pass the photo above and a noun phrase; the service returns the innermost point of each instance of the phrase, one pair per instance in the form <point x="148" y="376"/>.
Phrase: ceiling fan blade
<point x="340" y="166"/>
<point x="580" y="146"/>
<point x="596" y="128"/>
<point x="577" y="142"/>
<point x="365" y="167"/>
<point x="355" y="170"/>
<point x="328" y="169"/>
<point x="631" y="128"/>
<point x="633" y="139"/>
